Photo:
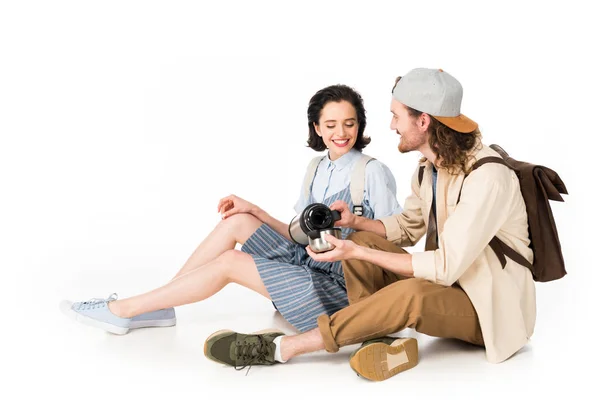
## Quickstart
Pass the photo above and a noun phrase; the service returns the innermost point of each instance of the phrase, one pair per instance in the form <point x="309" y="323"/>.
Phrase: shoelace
<point x="251" y="353"/>
<point x="96" y="302"/>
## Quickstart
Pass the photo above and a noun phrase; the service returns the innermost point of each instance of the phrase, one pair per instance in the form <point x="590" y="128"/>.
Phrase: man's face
<point x="412" y="134"/>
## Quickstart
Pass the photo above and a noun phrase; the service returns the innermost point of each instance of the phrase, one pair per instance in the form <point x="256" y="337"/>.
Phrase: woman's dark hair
<point x="336" y="93"/>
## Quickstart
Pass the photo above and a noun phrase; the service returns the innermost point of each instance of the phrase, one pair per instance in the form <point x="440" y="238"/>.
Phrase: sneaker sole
<point x="65" y="307"/>
<point x="380" y="361"/>
<point x="223" y="331"/>
<point x="155" y="323"/>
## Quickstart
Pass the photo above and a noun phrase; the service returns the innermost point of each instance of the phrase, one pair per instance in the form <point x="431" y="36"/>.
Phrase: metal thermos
<point x="312" y="224"/>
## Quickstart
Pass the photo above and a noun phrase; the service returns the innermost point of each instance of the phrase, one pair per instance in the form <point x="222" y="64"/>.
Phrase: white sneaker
<point x="95" y="312"/>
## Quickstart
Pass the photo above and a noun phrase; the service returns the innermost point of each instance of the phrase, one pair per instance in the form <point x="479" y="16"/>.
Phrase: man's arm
<point x="345" y="249"/>
<point x="400" y="264"/>
<point x="369" y="225"/>
<point x="407" y="228"/>
<point x="486" y="201"/>
<point x="403" y="229"/>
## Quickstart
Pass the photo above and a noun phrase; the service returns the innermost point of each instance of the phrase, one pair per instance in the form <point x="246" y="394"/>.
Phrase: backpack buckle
<point x="357" y="210"/>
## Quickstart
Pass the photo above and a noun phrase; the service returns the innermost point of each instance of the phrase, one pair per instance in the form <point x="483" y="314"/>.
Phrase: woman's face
<point x="338" y="127"/>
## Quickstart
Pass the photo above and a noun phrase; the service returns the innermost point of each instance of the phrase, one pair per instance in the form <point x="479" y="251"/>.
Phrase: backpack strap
<point x="490" y="159"/>
<point x="311" y="170"/>
<point x="479" y="163"/>
<point x="357" y="183"/>
<point x="500" y="248"/>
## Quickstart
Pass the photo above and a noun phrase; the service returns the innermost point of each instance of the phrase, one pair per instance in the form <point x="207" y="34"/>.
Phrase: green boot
<point x="242" y="350"/>
<point x="381" y="358"/>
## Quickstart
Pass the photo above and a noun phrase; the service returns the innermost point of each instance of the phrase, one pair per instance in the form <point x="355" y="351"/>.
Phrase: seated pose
<point x="459" y="287"/>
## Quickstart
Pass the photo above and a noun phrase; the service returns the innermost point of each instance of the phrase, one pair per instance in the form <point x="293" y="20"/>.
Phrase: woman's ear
<point x="317" y="129"/>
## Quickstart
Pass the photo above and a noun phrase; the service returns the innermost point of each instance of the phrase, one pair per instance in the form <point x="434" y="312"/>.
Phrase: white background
<point x="122" y="123"/>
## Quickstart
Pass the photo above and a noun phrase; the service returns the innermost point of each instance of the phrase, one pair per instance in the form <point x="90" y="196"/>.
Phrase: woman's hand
<point x="344" y="249"/>
<point x="348" y="218"/>
<point x="232" y="205"/>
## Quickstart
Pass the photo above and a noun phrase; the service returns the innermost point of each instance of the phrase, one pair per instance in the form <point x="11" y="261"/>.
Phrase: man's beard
<point x="406" y="147"/>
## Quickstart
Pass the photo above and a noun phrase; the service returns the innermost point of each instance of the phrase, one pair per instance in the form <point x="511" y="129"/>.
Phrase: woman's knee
<point x="240" y="220"/>
<point x="231" y="262"/>
<point x="241" y="226"/>
<point x="230" y="257"/>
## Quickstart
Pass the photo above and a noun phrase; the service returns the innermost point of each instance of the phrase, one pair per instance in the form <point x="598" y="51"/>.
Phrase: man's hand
<point x="348" y="218"/>
<point x="344" y="250"/>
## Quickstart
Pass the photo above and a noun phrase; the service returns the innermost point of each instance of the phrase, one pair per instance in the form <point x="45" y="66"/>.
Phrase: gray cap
<point x="437" y="93"/>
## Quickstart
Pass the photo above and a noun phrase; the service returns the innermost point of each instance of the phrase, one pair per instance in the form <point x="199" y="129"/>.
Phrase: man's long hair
<point x="453" y="149"/>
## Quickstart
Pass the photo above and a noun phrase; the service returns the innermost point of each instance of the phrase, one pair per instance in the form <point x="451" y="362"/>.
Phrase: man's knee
<point x="414" y="290"/>
<point x="363" y="238"/>
<point x="374" y="241"/>
<point x="414" y="286"/>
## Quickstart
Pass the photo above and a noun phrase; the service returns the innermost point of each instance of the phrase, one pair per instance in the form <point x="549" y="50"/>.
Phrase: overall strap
<point x="357" y="183"/>
<point x="311" y="170"/>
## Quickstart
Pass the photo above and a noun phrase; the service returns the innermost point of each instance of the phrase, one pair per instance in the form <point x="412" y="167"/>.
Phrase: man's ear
<point x="424" y="121"/>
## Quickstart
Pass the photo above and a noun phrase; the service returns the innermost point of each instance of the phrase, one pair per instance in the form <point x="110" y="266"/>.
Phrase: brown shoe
<point x="381" y="358"/>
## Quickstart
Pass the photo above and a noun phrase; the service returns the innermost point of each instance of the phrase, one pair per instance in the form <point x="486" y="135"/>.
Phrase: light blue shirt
<point x="334" y="176"/>
<point x="434" y="204"/>
<point x="434" y="179"/>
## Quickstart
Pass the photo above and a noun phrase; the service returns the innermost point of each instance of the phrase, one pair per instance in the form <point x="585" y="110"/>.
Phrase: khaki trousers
<point x="383" y="303"/>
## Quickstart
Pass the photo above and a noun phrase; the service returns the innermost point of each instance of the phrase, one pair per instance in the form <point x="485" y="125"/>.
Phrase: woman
<point x="269" y="262"/>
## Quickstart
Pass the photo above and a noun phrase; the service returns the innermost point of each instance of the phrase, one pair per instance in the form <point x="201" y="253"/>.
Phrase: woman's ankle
<point x="116" y="307"/>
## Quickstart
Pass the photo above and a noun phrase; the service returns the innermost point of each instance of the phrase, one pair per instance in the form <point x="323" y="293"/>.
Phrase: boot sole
<point x="380" y="361"/>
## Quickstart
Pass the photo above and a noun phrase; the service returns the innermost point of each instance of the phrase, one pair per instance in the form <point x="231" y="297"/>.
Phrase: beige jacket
<point x="490" y="204"/>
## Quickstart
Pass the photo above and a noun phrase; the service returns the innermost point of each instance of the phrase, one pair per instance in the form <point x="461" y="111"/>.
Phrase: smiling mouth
<point x="341" y="142"/>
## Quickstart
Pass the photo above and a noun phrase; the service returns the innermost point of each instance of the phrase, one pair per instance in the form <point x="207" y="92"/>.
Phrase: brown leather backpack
<point x="539" y="184"/>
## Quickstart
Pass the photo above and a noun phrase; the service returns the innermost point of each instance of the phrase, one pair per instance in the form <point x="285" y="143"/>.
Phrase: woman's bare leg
<point x="195" y="285"/>
<point x="235" y="229"/>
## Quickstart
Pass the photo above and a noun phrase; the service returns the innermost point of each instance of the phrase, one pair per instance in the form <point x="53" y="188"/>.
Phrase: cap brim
<point x="460" y="124"/>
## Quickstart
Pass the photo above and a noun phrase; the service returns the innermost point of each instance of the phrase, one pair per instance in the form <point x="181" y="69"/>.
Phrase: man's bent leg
<point x="364" y="278"/>
<point x="429" y="308"/>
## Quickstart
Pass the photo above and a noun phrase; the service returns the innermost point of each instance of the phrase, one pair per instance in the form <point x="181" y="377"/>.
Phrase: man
<point x="456" y="288"/>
